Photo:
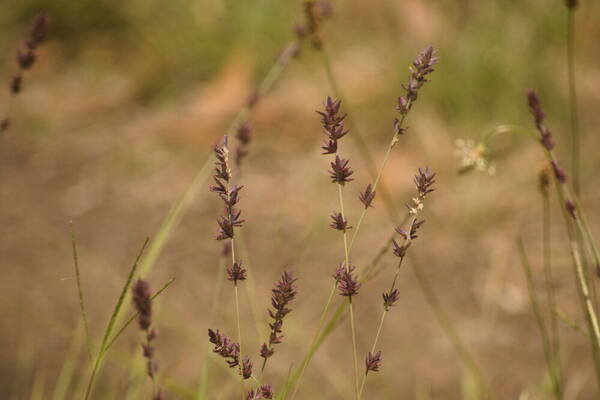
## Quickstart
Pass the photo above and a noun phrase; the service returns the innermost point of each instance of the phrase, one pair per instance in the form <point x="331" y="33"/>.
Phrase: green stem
<point x="313" y="348"/>
<point x="550" y="296"/>
<point x="352" y="324"/>
<point x="449" y="329"/>
<point x="364" y="379"/>
<point x="575" y="135"/>
<point x="80" y="294"/>
<point x="537" y="311"/>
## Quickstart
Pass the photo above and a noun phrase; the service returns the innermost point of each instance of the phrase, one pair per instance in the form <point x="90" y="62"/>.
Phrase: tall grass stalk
<point x="112" y="321"/>
<point x="550" y="295"/>
<point x="575" y="133"/>
<point x="86" y="329"/>
<point x="68" y="367"/>
<point x="449" y="329"/>
<point x="551" y="361"/>
<point x="201" y="392"/>
<point x="352" y="322"/>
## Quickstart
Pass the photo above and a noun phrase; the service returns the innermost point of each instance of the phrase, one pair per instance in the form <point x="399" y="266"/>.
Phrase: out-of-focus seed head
<point x="390" y="298"/>
<point x="544" y="180"/>
<point x="39" y="28"/>
<point x="266" y="391"/>
<point x="236" y="273"/>
<point x="246" y="368"/>
<point x="26" y="58"/>
<point x="373" y="361"/>
<point x="571" y="3"/>
<point x="400" y="250"/>
<point x="143" y="303"/>
<point x="16" y="84"/>
<point x="535" y="108"/>
<point x="412" y="233"/>
<point x="366" y="197"/>
<point x="571" y="209"/>
<point x="559" y="173"/>
<point x="4" y="124"/>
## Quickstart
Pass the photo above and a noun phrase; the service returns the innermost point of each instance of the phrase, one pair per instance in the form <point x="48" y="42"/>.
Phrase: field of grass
<point x="111" y="141"/>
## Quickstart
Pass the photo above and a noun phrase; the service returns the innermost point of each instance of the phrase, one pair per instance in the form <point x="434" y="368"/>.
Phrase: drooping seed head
<point x="225" y="347"/>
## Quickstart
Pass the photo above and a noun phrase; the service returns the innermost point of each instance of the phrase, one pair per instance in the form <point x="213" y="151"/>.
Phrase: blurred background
<point x="122" y="109"/>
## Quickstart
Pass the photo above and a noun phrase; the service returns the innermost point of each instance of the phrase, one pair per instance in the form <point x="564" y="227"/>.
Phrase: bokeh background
<point x="123" y="107"/>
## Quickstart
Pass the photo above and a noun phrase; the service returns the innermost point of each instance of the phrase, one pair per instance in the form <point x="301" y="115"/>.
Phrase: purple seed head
<point x="340" y="171"/>
<point x="424" y="181"/>
<point x="571" y="209"/>
<point x="535" y="108"/>
<point x="333" y="125"/>
<point x="246" y="368"/>
<point x="372" y="362"/>
<point x="348" y="284"/>
<point x="421" y="67"/>
<point x="339" y="222"/>
<point x="225" y="347"/>
<point x="282" y="294"/>
<point x="39" y="29"/>
<point x="236" y="273"/>
<point x="559" y="173"/>
<point x="366" y="197"/>
<point x="16" y="84"/>
<point x="389" y="299"/>
<point x="143" y="303"/>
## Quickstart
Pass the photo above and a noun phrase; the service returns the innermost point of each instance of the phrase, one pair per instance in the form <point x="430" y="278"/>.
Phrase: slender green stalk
<point x="449" y="329"/>
<point x="550" y="296"/>
<point x="313" y="345"/>
<point x="237" y="320"/>
<point x="580" y="277"/>
<point x="354" y="355"/>
<point x="386" y="309"/>
<point x="112" y="321"/>
<point x="537" y="312"/>
<point x="88" y="341"/>
<point x="570" y="323"/>
<point x="68" y="367"/>
<point x="575" y="134"/>
<point x="364" y="379"/>
<point x="202" y="387"/>
<point x="352" y="323"/>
